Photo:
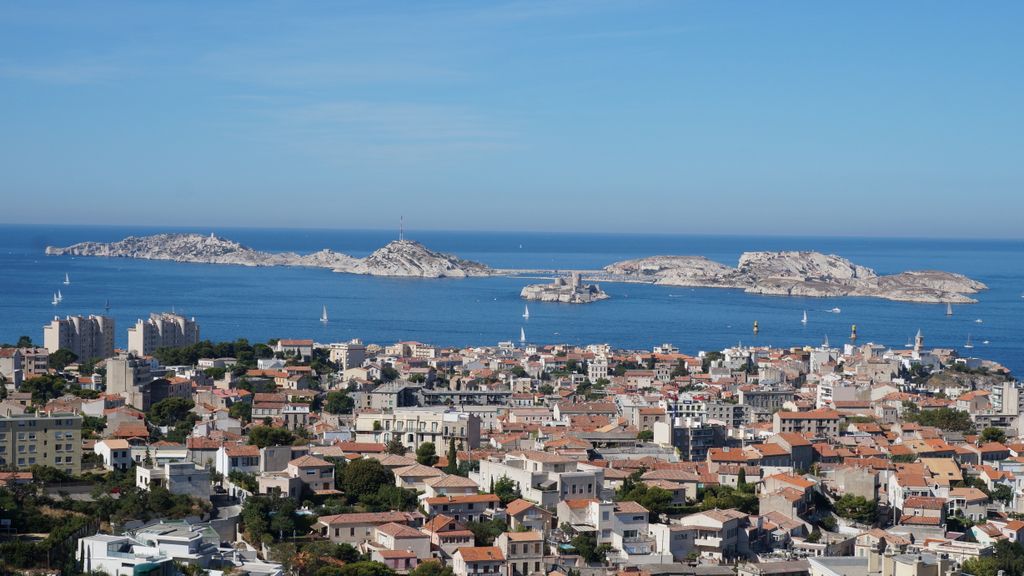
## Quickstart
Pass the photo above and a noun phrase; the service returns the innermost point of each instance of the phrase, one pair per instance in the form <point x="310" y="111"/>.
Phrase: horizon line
<point x="852" y="236"/>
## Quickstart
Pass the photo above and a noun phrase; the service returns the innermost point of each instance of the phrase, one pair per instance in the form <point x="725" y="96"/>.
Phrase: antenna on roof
<point x="401" y="228"/>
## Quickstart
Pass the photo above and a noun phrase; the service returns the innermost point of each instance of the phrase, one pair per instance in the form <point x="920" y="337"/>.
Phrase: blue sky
<point x="857" y="118"/>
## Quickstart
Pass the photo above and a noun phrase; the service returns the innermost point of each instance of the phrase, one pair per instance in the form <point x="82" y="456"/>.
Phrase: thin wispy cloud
<point x="59" y="73"/>
<point x="273" y="69"/>
<point x="386" y="130"/>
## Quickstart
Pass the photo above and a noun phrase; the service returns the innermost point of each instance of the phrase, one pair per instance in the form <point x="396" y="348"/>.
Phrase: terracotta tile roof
<point x="364" y="518"/>
<point x="465" y="499"/>
<point x="395" y="554"/>
<point x="529" y="536"/>
<point x="630" y="507"/>
<point x="579" y="503"/>
<point x="396" y="530"/>
<point x="481" y="554"/>
<point x="308" y="461"/>
<point x="518" y="506"/>
<point x="924" y="503"/>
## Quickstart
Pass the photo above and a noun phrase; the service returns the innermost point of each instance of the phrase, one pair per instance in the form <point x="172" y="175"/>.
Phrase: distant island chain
<point x="809" y="274"/>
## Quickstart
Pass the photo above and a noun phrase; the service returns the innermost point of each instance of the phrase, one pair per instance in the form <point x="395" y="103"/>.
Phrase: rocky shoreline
<point x="810" y="274"/>
<point x="403" y="258"/>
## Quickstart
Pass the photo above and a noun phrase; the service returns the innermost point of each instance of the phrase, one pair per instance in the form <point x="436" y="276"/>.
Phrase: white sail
<point x="67" y="280"/>
<point x="59" y="296"/>
<point x="968" y="344"/>
<point x="55" y="301"/>
<point x="526" y="312"/>
<point x="949" y="309"/>
<point x="522" y="335"/>
<point x="323" y="316"/>
<point x="804" y="320"/>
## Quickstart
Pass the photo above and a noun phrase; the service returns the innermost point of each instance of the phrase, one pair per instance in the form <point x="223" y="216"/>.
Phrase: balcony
<point x="707" y="542"/>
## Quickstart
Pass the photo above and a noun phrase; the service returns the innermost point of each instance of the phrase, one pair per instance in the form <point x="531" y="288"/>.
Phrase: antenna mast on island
<point x="401" y="228"/>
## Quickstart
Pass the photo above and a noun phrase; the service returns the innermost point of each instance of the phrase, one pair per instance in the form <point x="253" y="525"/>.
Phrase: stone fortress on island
<point x="566" y="291"/>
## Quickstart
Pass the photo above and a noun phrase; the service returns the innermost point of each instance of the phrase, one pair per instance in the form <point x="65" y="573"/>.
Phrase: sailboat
<point x="60" y="297"/>
<point x="106" y="306"/>
<point x="55" y="300"/>
<point x="949" y="309"/>
<point x="804" y="320"/>
<point x="67" y="281"/>
<point x="968" y="345"/>
<point x="323" y="316"/>
<point x="526" y="312"/>
<point x="522" y="336"/>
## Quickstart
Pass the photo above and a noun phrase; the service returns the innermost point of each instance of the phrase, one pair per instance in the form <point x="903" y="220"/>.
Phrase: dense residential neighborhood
<point x="182" y="456"/>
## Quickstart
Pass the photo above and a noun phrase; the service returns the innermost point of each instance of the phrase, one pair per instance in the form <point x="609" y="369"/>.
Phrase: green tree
<point x="396" y="447"/>
<point x="1008" y="558"/>
<point x="506" y="490"/>
<point x="486" y="531"/>
<point x="452" y="465"/>
<point x="586" y="546"/>
<point x="857" y="509"/>
<point x="431" y="568"/>
<point x="546" y="389"/>
<point x="389" y="497"/>
<point x="728" y="497"/>
<point x="942" y="418"/>
<point x="1002" y="493"/>
<point x="645" y="435"/>
<point x="656" y="500"/>
<point x="170" y="410"/>
<point x="44" y="388"/>
<point x="241" y="411"/>
<point x="426" y="454"/>
<point x="24" y="342"/>
<point x="264" y="436"/>
<point x="339" y="402"/>
<point x="365" y="476"/>
<point x="62" y="358"/>
<point x="992" y="434"/>
<point x="366" y="568"/>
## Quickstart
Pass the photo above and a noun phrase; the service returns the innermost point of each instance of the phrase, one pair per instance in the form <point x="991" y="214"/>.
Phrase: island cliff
<point x="399" y="258"/>
<point x="798" y="274"/>
<point x="776" y="273"/>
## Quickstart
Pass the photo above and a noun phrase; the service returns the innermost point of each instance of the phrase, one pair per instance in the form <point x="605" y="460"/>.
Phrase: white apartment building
<point x="348" y="354"/>
<point x="414" y="426"/>
<point x="542" y="477"/>
<point x="87" y="338"/>
<point x="162" y="330"/>
<point x="177" y="477"/>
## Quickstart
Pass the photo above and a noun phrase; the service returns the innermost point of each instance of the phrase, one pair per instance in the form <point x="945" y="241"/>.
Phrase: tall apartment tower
<point x="349" y="354"/>
<point x="44" y="438"/>
<point x="88" y="338"/>
<point x="164" y="330"/>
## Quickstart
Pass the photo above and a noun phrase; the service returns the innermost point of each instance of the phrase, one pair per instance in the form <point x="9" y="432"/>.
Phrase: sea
<point x="232" y="302"/>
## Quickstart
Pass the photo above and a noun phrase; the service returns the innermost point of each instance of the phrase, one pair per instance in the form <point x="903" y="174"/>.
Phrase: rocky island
<point x="571" y="291"/>
<point x="404" y="258"/>
<point x="798" y="274"/>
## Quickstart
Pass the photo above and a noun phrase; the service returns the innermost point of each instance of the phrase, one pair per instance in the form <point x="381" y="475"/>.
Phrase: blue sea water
<point x="263" y="303"/>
